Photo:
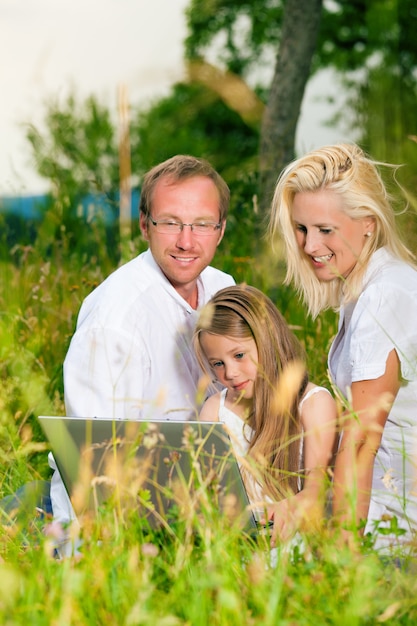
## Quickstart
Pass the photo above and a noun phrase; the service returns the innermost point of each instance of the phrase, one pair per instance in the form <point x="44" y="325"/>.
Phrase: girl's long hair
<point x="245" y="312"/>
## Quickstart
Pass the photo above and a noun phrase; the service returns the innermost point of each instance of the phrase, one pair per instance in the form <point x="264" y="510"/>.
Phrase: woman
<point x="281" y="425"/>
<point x="344" y="252"/>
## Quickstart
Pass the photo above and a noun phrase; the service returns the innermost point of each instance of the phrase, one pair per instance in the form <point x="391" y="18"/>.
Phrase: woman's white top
<point x="384" y="318"/>
<point x="241" y="434"/>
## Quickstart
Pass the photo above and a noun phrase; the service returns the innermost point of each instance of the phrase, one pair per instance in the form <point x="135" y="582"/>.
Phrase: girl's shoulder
<point x="317" y="402"/>
<point x="311" y="390"/>
<point x="210" y="409"/>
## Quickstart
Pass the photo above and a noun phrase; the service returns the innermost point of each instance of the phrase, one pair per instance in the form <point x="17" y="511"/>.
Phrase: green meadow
<point x="202" y="570"/>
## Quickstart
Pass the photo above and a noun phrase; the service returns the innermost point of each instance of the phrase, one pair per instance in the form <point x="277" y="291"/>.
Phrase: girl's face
<point x="330" y="239"/>
<point x="233" y="361"/>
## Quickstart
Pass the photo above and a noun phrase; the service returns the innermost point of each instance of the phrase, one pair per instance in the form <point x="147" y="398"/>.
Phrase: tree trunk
<point x="300" y="30"/>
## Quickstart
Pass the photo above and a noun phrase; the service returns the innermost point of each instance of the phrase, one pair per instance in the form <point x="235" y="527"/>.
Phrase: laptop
<point x="162" y="468"/>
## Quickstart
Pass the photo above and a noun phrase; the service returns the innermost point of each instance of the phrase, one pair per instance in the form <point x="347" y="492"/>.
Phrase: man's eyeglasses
<point x="171" y="227"/>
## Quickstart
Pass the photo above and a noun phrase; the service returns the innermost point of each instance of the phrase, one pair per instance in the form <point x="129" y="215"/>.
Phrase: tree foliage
<point x="78" y="151"/>
<point x="246" y="33"/>
<point x="370" y="43"/>
<point x="241" y="34"/>
<point x="192" y="120"/>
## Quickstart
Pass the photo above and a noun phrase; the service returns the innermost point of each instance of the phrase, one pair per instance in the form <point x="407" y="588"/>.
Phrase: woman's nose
<point x="311" y="242"/>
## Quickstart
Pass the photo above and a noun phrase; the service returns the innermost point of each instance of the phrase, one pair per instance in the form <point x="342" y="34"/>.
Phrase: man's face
<point x="183" y="256"/>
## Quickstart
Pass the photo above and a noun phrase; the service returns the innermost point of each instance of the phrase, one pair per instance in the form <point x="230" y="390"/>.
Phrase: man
<point x="131" y="355"/>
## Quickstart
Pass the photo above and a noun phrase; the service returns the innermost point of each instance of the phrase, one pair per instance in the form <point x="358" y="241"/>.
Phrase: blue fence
<point x="90" y="207"/>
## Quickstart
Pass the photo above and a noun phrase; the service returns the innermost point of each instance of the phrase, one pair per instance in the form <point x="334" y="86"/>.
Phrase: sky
<point x="50" y="47"/>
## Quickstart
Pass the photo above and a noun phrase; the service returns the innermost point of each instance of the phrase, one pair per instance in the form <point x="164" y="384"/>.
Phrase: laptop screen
<point x="162" y="468"/>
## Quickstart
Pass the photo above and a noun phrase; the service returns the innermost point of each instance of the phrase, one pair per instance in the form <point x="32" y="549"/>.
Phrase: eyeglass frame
<point x="216" y="226"/>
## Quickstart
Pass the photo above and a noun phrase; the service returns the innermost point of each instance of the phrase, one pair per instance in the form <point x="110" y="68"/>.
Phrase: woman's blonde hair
<point x="245" y="312"/>
<point x="345" y="170"/>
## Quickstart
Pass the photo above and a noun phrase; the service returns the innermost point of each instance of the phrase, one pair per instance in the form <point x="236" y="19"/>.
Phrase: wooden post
<point x="125" y="204"/>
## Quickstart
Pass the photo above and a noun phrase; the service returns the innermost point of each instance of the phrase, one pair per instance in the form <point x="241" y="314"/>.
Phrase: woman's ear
<point x="369" y="226"/>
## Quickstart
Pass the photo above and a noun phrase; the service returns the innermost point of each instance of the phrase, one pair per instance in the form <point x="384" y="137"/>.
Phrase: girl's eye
<point x="239" y="355"/>
<point x="217" y="364"/>
<point x="326" y="231"/>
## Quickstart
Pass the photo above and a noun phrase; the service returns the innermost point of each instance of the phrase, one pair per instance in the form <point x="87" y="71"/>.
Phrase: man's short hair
<point x="178" y="168"/>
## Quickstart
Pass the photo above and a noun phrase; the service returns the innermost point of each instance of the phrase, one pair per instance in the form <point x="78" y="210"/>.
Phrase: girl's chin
<point x="239" y="395"/>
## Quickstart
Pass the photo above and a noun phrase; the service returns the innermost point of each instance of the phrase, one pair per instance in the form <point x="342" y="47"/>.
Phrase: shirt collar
<point x="379" y="258"/>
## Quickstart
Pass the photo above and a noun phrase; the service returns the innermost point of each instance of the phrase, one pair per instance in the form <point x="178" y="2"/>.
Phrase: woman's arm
<point x="362" y="431"/>
<point x="319" y="421"/>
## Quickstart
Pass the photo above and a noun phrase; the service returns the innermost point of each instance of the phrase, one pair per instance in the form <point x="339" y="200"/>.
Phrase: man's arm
<point x="105" y="375"/>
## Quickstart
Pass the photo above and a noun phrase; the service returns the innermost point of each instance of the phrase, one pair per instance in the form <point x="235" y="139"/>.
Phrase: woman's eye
<point x="325" y="231"/>
<point x="300" y="228"/>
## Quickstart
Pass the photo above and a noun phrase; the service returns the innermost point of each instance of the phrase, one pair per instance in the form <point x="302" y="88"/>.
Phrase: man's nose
<point x="185" y="239"/>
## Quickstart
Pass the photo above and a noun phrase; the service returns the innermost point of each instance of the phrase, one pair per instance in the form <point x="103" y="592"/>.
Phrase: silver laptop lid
<point x="160" y="467"/>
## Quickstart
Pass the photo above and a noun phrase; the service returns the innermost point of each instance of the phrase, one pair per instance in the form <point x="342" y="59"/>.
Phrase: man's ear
<point x="143" y="224"/>
<point x="222" y="229"/>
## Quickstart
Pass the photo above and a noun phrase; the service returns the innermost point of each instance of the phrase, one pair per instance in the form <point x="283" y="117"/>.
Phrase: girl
<point x="283" y="424"/>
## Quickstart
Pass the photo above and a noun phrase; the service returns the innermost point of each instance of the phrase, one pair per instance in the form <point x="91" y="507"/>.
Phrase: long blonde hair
<point x="245" y="312"/>
<point x="348" y="172"/>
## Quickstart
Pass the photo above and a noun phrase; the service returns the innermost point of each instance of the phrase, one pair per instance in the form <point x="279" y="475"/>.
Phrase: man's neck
<point x="191" y="297"/>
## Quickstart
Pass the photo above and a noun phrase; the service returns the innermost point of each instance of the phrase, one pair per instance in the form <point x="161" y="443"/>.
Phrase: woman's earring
<point x="369" y="234"/>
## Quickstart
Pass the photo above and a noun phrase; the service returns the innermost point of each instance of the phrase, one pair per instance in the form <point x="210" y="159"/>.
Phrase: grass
<point x="202" y="573"/>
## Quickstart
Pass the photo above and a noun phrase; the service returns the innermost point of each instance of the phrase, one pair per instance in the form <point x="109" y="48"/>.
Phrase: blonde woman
<point x="286" y="437"/>
<point x="344" y="252"/>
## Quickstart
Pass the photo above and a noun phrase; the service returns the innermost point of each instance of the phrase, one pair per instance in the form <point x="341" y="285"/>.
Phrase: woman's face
<point x="330" y="239"/>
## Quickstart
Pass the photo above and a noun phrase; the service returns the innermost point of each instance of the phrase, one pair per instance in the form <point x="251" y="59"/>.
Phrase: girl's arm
<point x="319" y="421"/>
<point x="362" y="431"/>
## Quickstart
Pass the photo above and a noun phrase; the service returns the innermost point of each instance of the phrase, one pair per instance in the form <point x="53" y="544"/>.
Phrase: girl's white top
<point x="241" y="434"/>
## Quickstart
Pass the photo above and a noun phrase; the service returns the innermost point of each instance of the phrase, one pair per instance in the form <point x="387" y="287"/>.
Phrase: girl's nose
<point x="230" y="371"/>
